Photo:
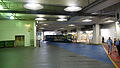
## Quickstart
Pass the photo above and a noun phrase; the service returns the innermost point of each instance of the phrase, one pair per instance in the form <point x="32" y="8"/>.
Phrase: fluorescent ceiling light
<point x="40" y="15"/>
<point x="37" y="21"/>
<point x="62" y="16"/>
<point x="11" y="17"/>
<point x="117" y="22"/>
<point x="41" y="19"/>
<point x="45" y="24"/>
<point x="61" y="19"/>
<point x="108" y="21"/>
<point x="41" y="22"/>
<point x="33" y="6"/>
<point x="1" y="7"/>
<point x="86" y="20"/>
<point x="71" y="25"/>
<point x="42" y="28"/>
<point x="91" y="17"/>
<point x="94" y="13"/>
<point x="61" y="28"/>
<point x="73" y="9"/>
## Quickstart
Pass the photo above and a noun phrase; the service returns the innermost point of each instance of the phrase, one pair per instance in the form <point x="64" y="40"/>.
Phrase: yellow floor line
<point x="110" y="58"/>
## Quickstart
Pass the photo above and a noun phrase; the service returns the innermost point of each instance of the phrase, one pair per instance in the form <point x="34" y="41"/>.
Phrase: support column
<point x="43" y="36"/>
<point x="117" y="29"/>
<point x="96" y="34"/>
<point x="78" y="36"/>
<point x="34" y="34"/>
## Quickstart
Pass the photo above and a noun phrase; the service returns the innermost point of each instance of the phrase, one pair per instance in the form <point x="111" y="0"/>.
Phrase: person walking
<point x="102" y="39"/>
<point x="115" y="47"/>
<point x="109" y="42"/>
<point x="118" y="46"/>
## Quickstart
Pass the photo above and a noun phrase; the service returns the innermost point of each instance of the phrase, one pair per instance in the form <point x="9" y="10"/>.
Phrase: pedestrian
<point x="102" y="39"/>
<point x="115" y="41"/>
<point x="109" y="42"/>
<point x="118" y="46"/>
<point x="115" y="48"/>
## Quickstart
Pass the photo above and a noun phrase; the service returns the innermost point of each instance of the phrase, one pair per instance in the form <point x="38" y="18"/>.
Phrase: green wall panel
<point x="10" y="28"/>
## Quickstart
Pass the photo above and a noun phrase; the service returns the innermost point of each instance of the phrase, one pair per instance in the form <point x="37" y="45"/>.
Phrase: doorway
<point x="19" y="40"/>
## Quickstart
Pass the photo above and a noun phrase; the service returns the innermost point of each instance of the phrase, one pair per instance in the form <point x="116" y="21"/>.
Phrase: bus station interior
<point x="58" y="33"/>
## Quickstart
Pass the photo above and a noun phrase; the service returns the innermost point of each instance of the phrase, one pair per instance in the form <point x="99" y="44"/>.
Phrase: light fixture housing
<point x="71" y="25"/>
<point x="33" y="6"/>
<point x="12" y="17"/>
<point x="61" y="28"/>
<point x="86" y="20"/>
<point x="41" y="28"/>
<point x="37" y="21"/>
<point x="95" y="13"/>
<point x="1" y="7"/>
<point x="117" y="22"/>
<point x="61" y="19"/>
<point x="40" y="19"/>
<point x="40" y="15"/>
<point x="45" y="24"/>
<point x="73" y="9"/>
<point x="61" y="16"/>
<point x="109" y="21"/>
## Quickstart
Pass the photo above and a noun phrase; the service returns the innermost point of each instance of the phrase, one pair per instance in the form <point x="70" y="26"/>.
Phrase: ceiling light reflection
<point x="86" y="20"/>
<point x="62" y="28"/>
<point x="73" y="9"/>
<point x="61" y="19"/>
<point x="45" y="24"/>
<point x="61" y="16"/>
<point x="1" y="7"/>
<point x="12" y="17"/>
<point x="41" y="28"/>
<point x="108" y="21"/>
<point x="33" y="6"/>
<point x="71" y="25"/>
<point x="41" y="19"/>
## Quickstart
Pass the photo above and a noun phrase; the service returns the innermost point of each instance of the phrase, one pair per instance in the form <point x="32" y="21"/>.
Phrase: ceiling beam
<point x="55" y="13"/>
<point x="92" y="5"/>
<point x="37" y="12"/>
<point x="62" y="12"/>
<point x="102" y="5"/>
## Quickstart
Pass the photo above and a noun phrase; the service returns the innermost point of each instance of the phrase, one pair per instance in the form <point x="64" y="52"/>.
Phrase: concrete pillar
<point x="117" y="30"/>
<point x="43" y="36"/>
<point x="96" y="34"/>
<point x="34" y="34"/>
<point x="78" y="36"/>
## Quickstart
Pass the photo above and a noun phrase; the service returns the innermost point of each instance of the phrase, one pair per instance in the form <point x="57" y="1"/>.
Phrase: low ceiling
<point x="52" y="9"/>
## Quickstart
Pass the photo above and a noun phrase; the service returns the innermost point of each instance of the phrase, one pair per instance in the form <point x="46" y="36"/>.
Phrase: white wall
<point x="108" y="30"/>
<point x="88" y="36"/>
<point x="117" y="29"/>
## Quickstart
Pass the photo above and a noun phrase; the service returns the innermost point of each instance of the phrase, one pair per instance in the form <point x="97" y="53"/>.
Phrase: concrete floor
<point x="47" y="56"/>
